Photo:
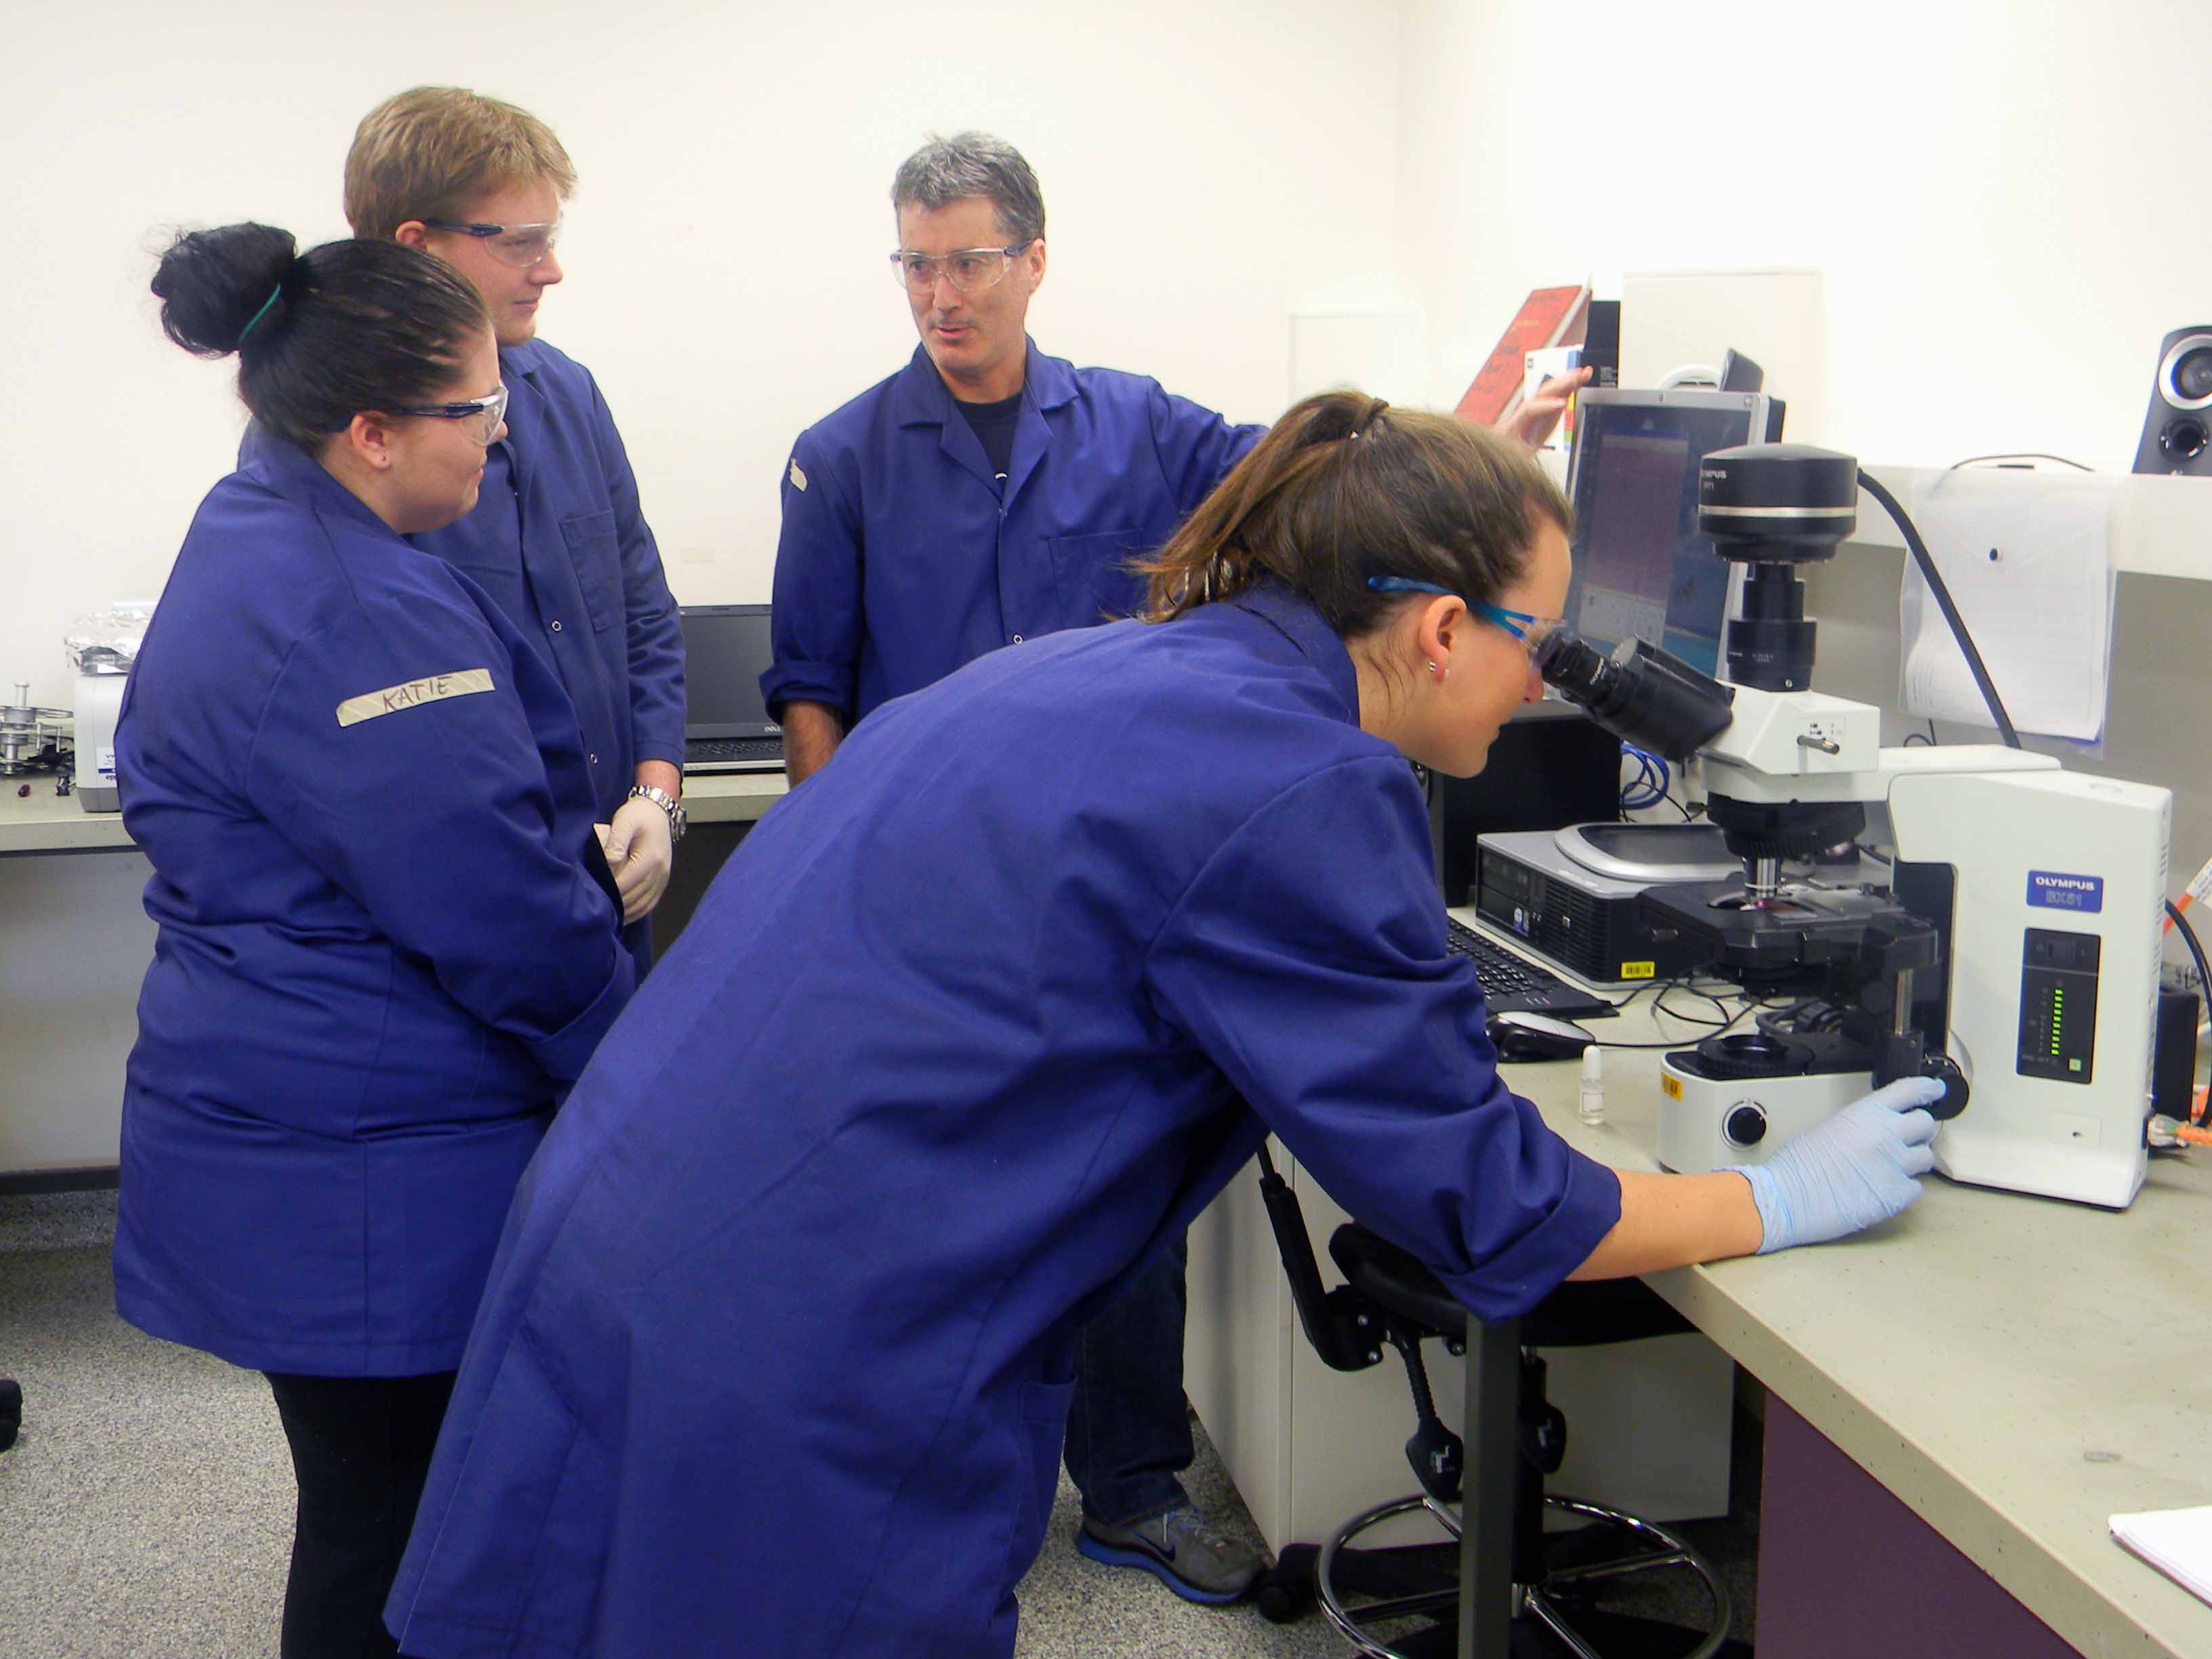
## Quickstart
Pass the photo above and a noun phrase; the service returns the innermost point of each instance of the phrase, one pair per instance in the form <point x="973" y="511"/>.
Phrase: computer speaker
<point x="2177" y="435"/>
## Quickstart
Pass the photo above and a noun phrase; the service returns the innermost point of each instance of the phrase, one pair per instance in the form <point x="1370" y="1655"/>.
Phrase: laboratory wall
<point x="2160" y="703"/>
<point x="2004" y="197"/>
<point x="1208" y="167"/>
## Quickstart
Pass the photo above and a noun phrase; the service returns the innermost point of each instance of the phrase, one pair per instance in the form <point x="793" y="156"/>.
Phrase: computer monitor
<point x="726" y="648"/>
<point x="1641" y="568"/>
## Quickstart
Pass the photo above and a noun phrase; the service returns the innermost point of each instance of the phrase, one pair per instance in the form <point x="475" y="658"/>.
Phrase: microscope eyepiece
<point x="1640" y="693"/>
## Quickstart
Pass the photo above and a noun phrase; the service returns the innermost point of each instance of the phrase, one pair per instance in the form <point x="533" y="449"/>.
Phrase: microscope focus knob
<point x="1745" y="1124"/>
<point x="1946" y="1070"/>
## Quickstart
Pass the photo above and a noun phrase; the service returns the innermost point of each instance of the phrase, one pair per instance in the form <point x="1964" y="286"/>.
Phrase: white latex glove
<point x="1856" y="1168"/>
<point x="640" y="852"/>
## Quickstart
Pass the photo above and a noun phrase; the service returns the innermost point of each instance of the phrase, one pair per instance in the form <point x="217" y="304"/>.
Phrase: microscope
<point x="2012" y="952"/>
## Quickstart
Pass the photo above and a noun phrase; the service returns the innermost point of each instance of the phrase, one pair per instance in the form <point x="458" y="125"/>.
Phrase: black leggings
<point x="361" y="1448"/>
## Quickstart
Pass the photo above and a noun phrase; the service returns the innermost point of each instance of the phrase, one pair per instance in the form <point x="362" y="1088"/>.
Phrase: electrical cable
<point x="1652" y="783"/>
<point x="2197" y="955"/>
<point x="1715" y="1027"/>
<point x="2021" y="455"/>
<point x="1934" y="577"/>
<point x="1990" y="691"/>
<point x="2189" y="939"/>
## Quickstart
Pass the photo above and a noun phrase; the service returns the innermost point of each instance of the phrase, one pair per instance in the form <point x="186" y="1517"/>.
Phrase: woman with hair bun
<point x="783" y="1349"/>
<point x="384" y="949"/>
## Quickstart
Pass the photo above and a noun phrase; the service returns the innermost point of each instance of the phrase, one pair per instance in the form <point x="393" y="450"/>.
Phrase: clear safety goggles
<point x="486" y="411"/>
<point x="970" y="270"/>
<point x="520" y="246"/>
<point x="1531" y="630"/>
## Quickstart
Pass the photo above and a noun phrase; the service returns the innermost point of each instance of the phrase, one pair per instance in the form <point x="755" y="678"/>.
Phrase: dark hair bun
<point x="214" y="283"/>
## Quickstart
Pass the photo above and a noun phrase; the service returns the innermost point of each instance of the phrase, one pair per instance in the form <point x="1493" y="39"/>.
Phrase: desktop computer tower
<point x="1551" y="766"/>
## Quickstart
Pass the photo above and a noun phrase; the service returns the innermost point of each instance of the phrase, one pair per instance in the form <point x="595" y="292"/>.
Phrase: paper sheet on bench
<point x="2040" y="611"/>
<point x="2178" y="1542"/>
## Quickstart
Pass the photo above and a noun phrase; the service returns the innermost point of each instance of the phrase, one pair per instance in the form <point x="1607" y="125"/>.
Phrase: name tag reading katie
<point x="463" y="683"/>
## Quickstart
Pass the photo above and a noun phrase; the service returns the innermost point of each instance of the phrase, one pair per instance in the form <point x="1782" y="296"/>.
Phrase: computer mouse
<point x="1537" y="1036"/>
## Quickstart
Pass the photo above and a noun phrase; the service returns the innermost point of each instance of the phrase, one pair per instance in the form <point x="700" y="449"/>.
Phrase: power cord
<point x="1944" y="602"/>
<point x="2020" y="455"/>
<point x="1989" y="691"/>
<point x="1654" y="781"/>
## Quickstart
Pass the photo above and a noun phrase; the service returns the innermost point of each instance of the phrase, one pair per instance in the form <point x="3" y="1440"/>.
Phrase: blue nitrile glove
<point x="1853" y="1170"/>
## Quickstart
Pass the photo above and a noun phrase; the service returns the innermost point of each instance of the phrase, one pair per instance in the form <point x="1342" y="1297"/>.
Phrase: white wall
<point x="2006" y="196"/>
<point x="1207" y="165"/>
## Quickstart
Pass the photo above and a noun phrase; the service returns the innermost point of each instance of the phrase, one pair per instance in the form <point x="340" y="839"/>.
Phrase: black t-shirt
<point x="993" y="425"/>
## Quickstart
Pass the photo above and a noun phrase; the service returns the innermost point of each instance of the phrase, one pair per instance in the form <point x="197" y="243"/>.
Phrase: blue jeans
<point x="1128" y="1431"/>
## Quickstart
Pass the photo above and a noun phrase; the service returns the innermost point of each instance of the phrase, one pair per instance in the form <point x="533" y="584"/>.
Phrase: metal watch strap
<point x="678" y="817"/>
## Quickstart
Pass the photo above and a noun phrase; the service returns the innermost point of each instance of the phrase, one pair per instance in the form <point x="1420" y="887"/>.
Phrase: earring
<point x="1433" y="668"/>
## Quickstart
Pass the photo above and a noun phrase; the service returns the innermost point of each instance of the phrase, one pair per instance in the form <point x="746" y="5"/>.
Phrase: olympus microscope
<point x="2014" y="953"/>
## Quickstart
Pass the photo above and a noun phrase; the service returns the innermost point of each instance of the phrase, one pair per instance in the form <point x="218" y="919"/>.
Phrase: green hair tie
<point x="273" y="294"/>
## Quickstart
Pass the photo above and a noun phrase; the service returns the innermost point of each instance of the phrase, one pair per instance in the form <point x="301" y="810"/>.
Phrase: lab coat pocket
<point x="1042" y="1428"/>
<point x="1095" y="580"/>
<point x="596" y="552"/>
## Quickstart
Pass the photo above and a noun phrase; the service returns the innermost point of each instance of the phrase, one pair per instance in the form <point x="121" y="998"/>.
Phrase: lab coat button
<point x="1017" y="639"/>
<point x="594" y="759"/>
<point x="554" y="624"/>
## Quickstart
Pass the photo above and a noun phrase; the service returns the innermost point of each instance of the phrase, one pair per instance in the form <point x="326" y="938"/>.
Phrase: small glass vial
<point x="1593" y="1095"/>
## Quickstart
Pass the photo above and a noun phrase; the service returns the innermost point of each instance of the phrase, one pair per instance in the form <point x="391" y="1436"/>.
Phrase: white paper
<point x="2178" y="1542"/>
<point x="2028" y="559"/>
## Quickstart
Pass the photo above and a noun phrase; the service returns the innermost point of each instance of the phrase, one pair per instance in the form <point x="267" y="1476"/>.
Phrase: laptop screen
<point x="726" y="650"/>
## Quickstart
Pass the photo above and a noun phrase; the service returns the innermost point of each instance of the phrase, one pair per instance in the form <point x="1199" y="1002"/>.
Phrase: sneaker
<point x="1192" y="1556"/>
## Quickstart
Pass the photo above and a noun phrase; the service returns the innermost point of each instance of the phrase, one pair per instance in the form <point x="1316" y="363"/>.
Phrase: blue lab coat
<point x="557" y="538"/>
<point x="380" y="958"/>
<point x="775" y="1357"/>
<point x="902" y="556"/>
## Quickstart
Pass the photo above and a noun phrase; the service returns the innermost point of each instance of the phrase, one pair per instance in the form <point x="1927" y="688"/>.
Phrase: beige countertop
<point x="42" y="822"/>
<point x="2015" y="1370"/>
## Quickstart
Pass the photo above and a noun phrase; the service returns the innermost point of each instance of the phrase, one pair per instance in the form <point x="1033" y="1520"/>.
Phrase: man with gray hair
<point x="983" y="495"/>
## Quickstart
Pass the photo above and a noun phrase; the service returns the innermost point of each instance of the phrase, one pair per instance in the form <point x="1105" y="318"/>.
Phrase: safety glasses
<point x="1531" y="630"/>
<point x="970" y="270"/>
<point x="520" y="246"/>
<point x="487" y="412"/>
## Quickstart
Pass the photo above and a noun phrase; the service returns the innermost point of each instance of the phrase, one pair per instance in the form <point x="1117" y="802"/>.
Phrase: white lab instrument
<point x="102" y="648"/>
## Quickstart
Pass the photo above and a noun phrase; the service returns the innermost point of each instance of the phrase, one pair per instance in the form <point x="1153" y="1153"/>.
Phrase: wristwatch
<point x="678" y="818"/>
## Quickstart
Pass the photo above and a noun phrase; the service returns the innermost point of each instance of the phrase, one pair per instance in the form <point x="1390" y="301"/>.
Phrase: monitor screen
<point x="726" y="651"/>
<point x="1641" y="568"/>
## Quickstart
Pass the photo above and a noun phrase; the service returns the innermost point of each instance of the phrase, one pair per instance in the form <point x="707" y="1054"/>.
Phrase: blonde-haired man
<point x="557" y="535"/>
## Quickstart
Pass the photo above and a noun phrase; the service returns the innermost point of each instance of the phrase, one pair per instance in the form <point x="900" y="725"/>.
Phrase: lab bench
<point x="1956" y="1400"/>
<point x="75" y="941"/>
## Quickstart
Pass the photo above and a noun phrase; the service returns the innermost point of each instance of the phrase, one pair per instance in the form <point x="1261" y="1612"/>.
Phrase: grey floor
<point x="147" y="1508"/>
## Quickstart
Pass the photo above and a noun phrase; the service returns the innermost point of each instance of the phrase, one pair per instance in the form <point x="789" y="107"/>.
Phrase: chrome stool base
<point x="1540" y="1601"/>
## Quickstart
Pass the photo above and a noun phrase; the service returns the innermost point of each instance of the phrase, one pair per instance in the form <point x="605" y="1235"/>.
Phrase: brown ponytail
<point x="1343" y="488"/>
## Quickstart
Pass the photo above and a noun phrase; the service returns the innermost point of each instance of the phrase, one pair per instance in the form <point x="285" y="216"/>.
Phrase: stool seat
<point x="1519" y="1582"/>
<point x="1581" y="1313"/>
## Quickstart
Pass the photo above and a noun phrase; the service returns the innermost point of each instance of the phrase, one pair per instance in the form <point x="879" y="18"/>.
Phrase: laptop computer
<point x="726" y="724"/>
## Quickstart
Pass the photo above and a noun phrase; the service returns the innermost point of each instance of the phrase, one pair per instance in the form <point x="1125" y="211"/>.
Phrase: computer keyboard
<point x="1510" y="985"/>
<point x="733" y="748"/>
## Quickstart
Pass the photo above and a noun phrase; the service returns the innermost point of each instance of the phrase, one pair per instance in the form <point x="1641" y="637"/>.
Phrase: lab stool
<point x="1544" y="1606"/>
